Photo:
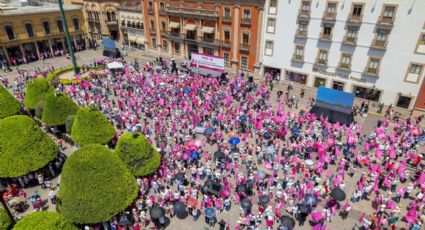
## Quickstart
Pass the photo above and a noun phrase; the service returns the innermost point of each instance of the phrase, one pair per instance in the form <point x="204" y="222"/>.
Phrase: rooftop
<point x="31" y="7"/>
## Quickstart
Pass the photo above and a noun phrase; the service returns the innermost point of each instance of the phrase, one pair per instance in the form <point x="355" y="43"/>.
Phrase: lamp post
<point x="68" y="38"/>
<point x="5" y="207"/>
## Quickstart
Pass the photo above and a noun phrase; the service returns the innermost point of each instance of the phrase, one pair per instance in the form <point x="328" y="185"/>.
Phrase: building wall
<point x="131" y="26"/>
<point x="395" y="59"/>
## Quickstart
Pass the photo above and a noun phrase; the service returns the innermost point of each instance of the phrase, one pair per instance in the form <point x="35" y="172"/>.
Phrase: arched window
<point x="59" y="25"/>
<point x="138" y="25"/>
<point x="46" y="27"/>
<point x="9" y="32"/>
<point x="108" y="16"/>
<point x="128" y="23"/>
<point x="113" y="16"/>
<point x="76" y="24"/>
<point x="29" y="29"/>
<point x="123" y="23"/>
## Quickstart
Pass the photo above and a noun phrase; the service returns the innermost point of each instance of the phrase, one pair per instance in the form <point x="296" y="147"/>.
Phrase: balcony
<point x="349" y="40"/>
<point x="354" y="19"/>
<point x="246" y="21"/>
<point x="371" y="71"/>
<point x="226" y="44"/>
<point x="379" y="45"/>
<point x="211" y="42"/>
<point x="152" y="31"/>
<point x="304" y="14"/>
<point x="191" y="12"/>
<point x="162" y="12"/>
<point x="298" y="58"/>
<point x="386" y="22"/>
<point x="112" y="23"/>
<point x="325" y="37"/>
<point x="301" y="34"/>
<point x="226" y="19"/>
<point x="329" y="16"/>
<point x="150" y="10"/>
<point x="344" y="66"/>
<point x="321" y="62"/>
<point x="175" y="36"/>
<point x="244" y="47"/>
<point x="191" y="38"/>
<point x="164" y="33"/>
<point x="93" y="20"/>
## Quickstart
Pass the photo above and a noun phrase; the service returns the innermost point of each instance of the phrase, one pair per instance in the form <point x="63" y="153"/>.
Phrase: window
<point x="244" y="62"/>
<point x="246" y="13"/>
<point x="388" y="12"/>
<point x="154" y="43"/>
<point x="152" y="25"/>
<point x="273" y="7"/>
<point x="338" y="85"/>
<point x="271" y="25"/>
<point x="165" y="46"/>
<point x="414" y="73"/>
<point x="162" y="6"/>
<point x="331" y="8"/>
<point x="373" y="65"/>
<point x="163" y="28"/>
<point x="76" y="24"/>
<point x="305" y="6"/>
<point x="46" y="27"/>
<point x="150" y="6"/>
<point x="30" y="31"/>
<point x="108" y="16"/>
<point x="357" y="10"/>
<point x="303" y="26"/>
<point x="371" y="94"/>
<point x="245" y="38"/>
<point x="415" y="69"/>
<point x="209" y="51"/>
<point x="177" y="48"/>
<point x="113" y="18"/>
<point x="226" y="57"/>
<point x="352" y="33"/>
<point x="345" y="60"/>
<point x="269" y="48"/>
<point x="403" y="102"/>
<point x="299" y="51"/>
<point x="381" y="35"/>
<point x="323" y="57"/>
<point x="59" y="25"/>
<point x="327" y="32"/>
<point x="227" y="12"/>
<point x="227" y="35"/>
<point x="9" y="32"/>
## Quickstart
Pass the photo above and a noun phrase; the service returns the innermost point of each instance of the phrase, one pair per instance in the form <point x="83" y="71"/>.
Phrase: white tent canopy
<point x="115" y="65"/>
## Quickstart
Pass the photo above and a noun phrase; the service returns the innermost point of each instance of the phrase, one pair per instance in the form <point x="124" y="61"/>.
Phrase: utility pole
<point x="68" y="38"/>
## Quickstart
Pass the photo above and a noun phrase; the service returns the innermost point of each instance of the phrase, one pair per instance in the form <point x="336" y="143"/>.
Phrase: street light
<point x="5" y="207"/>
<point x="68" y="38"/>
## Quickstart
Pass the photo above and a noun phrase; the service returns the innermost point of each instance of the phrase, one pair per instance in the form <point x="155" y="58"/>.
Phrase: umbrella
<point x="186" y="90"/>
<point x="192" y="202"/>
<point x="304" y="208"/>
<point x="309" y="162"/>
<point x="296" y="132"/>
<point x="311" y="200"/>
<point x="209" y="131"/>
<point x="209" y="212"/>
<point x="125" y="219"/>
<point x="157" y="212"/>
<point x="246" y="203"/>
<point x="179" y="207"/>
<point x="287" y="222"/>
<point x="194" y="155"/>
<point x="338" y="194"/>
<point x="270" y="150"/>
<point x="267" y="135"/>
<point x="264" y="199"/>
<point x="234" y="140"/>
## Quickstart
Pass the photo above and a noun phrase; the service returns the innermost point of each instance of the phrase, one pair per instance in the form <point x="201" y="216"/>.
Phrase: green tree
<point x="24" y="147"/>
<point x="139" y="155"/>
<point x="44" y="220"/>
<point x="57" y="108"/>
<point x="8" y="104"/>
<point x="95" y="186"/>
<point x="36" y="91"/>
<point x="4" y="220"/>
<point x="91" y="127"/>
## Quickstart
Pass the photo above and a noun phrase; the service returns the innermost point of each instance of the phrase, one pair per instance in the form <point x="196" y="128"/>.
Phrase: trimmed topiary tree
<point x="9" y="106"/>
<point x="36" y="91"/>
<point x="57" y="108"/>
<point x="95" y="186"/>
<point x="44" y="220"/>
<point x="139" y="155"/>
<point x="24" y="147"/>
<point x="4" y="220"/>
<point x="39" y="109"/>
<point x="69" y="122"/>
<point x="91" y="127"/>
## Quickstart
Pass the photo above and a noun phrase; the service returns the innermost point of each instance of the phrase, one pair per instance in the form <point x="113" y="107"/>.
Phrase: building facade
<point x="375" y="49"/>
<point x="132" y="26"/>
<point x="220" y="28"/>
<point x="31" y="32"/>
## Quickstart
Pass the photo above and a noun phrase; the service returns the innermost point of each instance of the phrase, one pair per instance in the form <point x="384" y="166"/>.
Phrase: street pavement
<point x="87" y="57"/>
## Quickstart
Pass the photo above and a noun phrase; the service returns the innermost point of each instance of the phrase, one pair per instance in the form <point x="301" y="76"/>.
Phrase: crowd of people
<point x="271" y="162"/>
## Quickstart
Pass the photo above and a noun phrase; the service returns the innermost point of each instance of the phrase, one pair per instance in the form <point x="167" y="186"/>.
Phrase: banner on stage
<point x="207" y="62"/>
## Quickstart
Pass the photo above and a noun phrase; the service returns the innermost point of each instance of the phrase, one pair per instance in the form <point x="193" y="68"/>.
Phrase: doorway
<point x="338" y="85"/>
<point x="191" y="48"/>
<point x="318" y="81"/>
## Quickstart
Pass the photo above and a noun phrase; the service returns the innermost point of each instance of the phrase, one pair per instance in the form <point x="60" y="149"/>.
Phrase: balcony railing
<point x="208" y="41"/>
<point x="191" y="38"/>
<point x="198" y="13"/>
<point x="386" y="21"/>
<point x="349" y="40"/>
<point x="378" y="44"/>
<point x="244" y="47"/>
<point x="371" y="71"/>
<point x="302" y="34"/>
<point x="325" y="37"/>
<point x="226" y="43"/>
<point x="112" y="22"/>
<point x="329" y="16"/>
<point x="298" y="57"/>
<point x="246" y="21"/>
<point x="175" y="34"/>
<point x="152" y="31"/>
<point x="150" y="10"/>
<point x="320" y="61"/>
<point x="354" y="18"/>
<point x="343" y="65"/>
<point x="162" y="12"/>
<point x="93" y="20"/>
<point x="302" y="13"/>
<point x="226" y="19"/>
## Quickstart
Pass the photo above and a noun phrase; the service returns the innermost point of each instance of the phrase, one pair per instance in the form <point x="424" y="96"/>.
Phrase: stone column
<point x="235" y="45"/>
<point x="63" y="43"/>
<point x="6" y="54"/>
<point x="37" y="50"/>
<point x="75" y="42"/>
<point x="258" y="64"/>
<point x="50" y="46"/>
<point x="21" y="48"/>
